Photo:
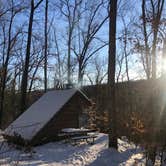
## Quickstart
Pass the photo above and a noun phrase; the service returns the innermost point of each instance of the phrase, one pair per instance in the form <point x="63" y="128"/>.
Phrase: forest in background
<point x="46" y="44"/>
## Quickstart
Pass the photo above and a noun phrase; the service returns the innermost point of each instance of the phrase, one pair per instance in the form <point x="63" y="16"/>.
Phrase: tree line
<point x="45" y="43"/>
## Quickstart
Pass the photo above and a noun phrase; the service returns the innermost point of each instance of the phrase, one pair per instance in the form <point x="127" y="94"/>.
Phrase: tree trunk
<point x="147" y="68"/>
<point x="4" y="69"/>
<point x="154" y="54"/>
<point x="69" y="58"/>
<point x="13" y="94"/>
<point x="111" y="74"/>
<point x="24" y="82"/>
<point x="34" y="74"/>
<point x="58" y="57"/>
<point x="126" y="55"/>
<point x="80" y="75"/>
<point x="155" y="26"/>
<point x="45" y="50"/>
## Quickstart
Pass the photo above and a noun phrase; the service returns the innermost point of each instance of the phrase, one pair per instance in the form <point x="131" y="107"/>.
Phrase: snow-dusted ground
<point x="65" y="154"/>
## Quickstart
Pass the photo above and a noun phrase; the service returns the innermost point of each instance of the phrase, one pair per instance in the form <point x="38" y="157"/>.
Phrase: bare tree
<point x="157" y="8"/>
<point x="125" y="37"/>
<point x="99" y="74"/>
<point x="119" y="64"/>
<point x="111" y="74"/>
<point x="45" y="45"/>
<point x="36" y="60"/>
<point x="59" y="71"/>
<point x="87" y="36"/>
<point x="146" y="40"/>
<point x="147" y="49"/>
<point x="151" y="21"/>
<point x="68" y="9"/>
<point x="24" y="82"/>
<point x="11" y="41"/>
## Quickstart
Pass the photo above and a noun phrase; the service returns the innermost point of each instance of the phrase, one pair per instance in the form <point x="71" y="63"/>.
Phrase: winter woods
<point x="46" y="44"/>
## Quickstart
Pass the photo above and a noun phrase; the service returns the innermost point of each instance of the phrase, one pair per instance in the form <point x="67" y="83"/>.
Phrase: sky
<point x="129" y="14"/>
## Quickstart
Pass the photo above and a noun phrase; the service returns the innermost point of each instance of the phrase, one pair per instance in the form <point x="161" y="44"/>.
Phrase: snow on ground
<point x="65" y="154"/>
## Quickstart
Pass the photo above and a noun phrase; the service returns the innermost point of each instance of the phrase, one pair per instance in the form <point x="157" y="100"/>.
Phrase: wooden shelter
<point x="44" y="119"/>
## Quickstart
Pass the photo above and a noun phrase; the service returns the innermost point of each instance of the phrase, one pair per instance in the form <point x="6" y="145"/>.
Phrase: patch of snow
<point x="65" y="154"/>
<point x="70" y="130"/>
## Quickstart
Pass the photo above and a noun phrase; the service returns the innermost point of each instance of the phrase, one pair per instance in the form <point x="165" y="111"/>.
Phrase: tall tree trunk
<point x="154" y="53"/>
<point x="58" y="57"/>
<point x="13" y="93"/>
<point x="147" y="68"/>
<point x="126" y="55"/>
<point x="69" y="58"/>
<point x="156" y="14"/>
<point x="80" y="71"/>
<point x="111" y="74"/>
<point x="45" y="50"/>
<point x="34" y="74"/>
<point x="24" y="82"/>
<point x="5" y="68"/>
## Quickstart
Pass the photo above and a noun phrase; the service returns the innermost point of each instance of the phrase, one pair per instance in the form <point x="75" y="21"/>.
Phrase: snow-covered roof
<point x="39" y="113"/>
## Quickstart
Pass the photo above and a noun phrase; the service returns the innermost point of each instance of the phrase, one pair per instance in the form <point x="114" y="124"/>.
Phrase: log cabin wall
<point x="67" y="117"/>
